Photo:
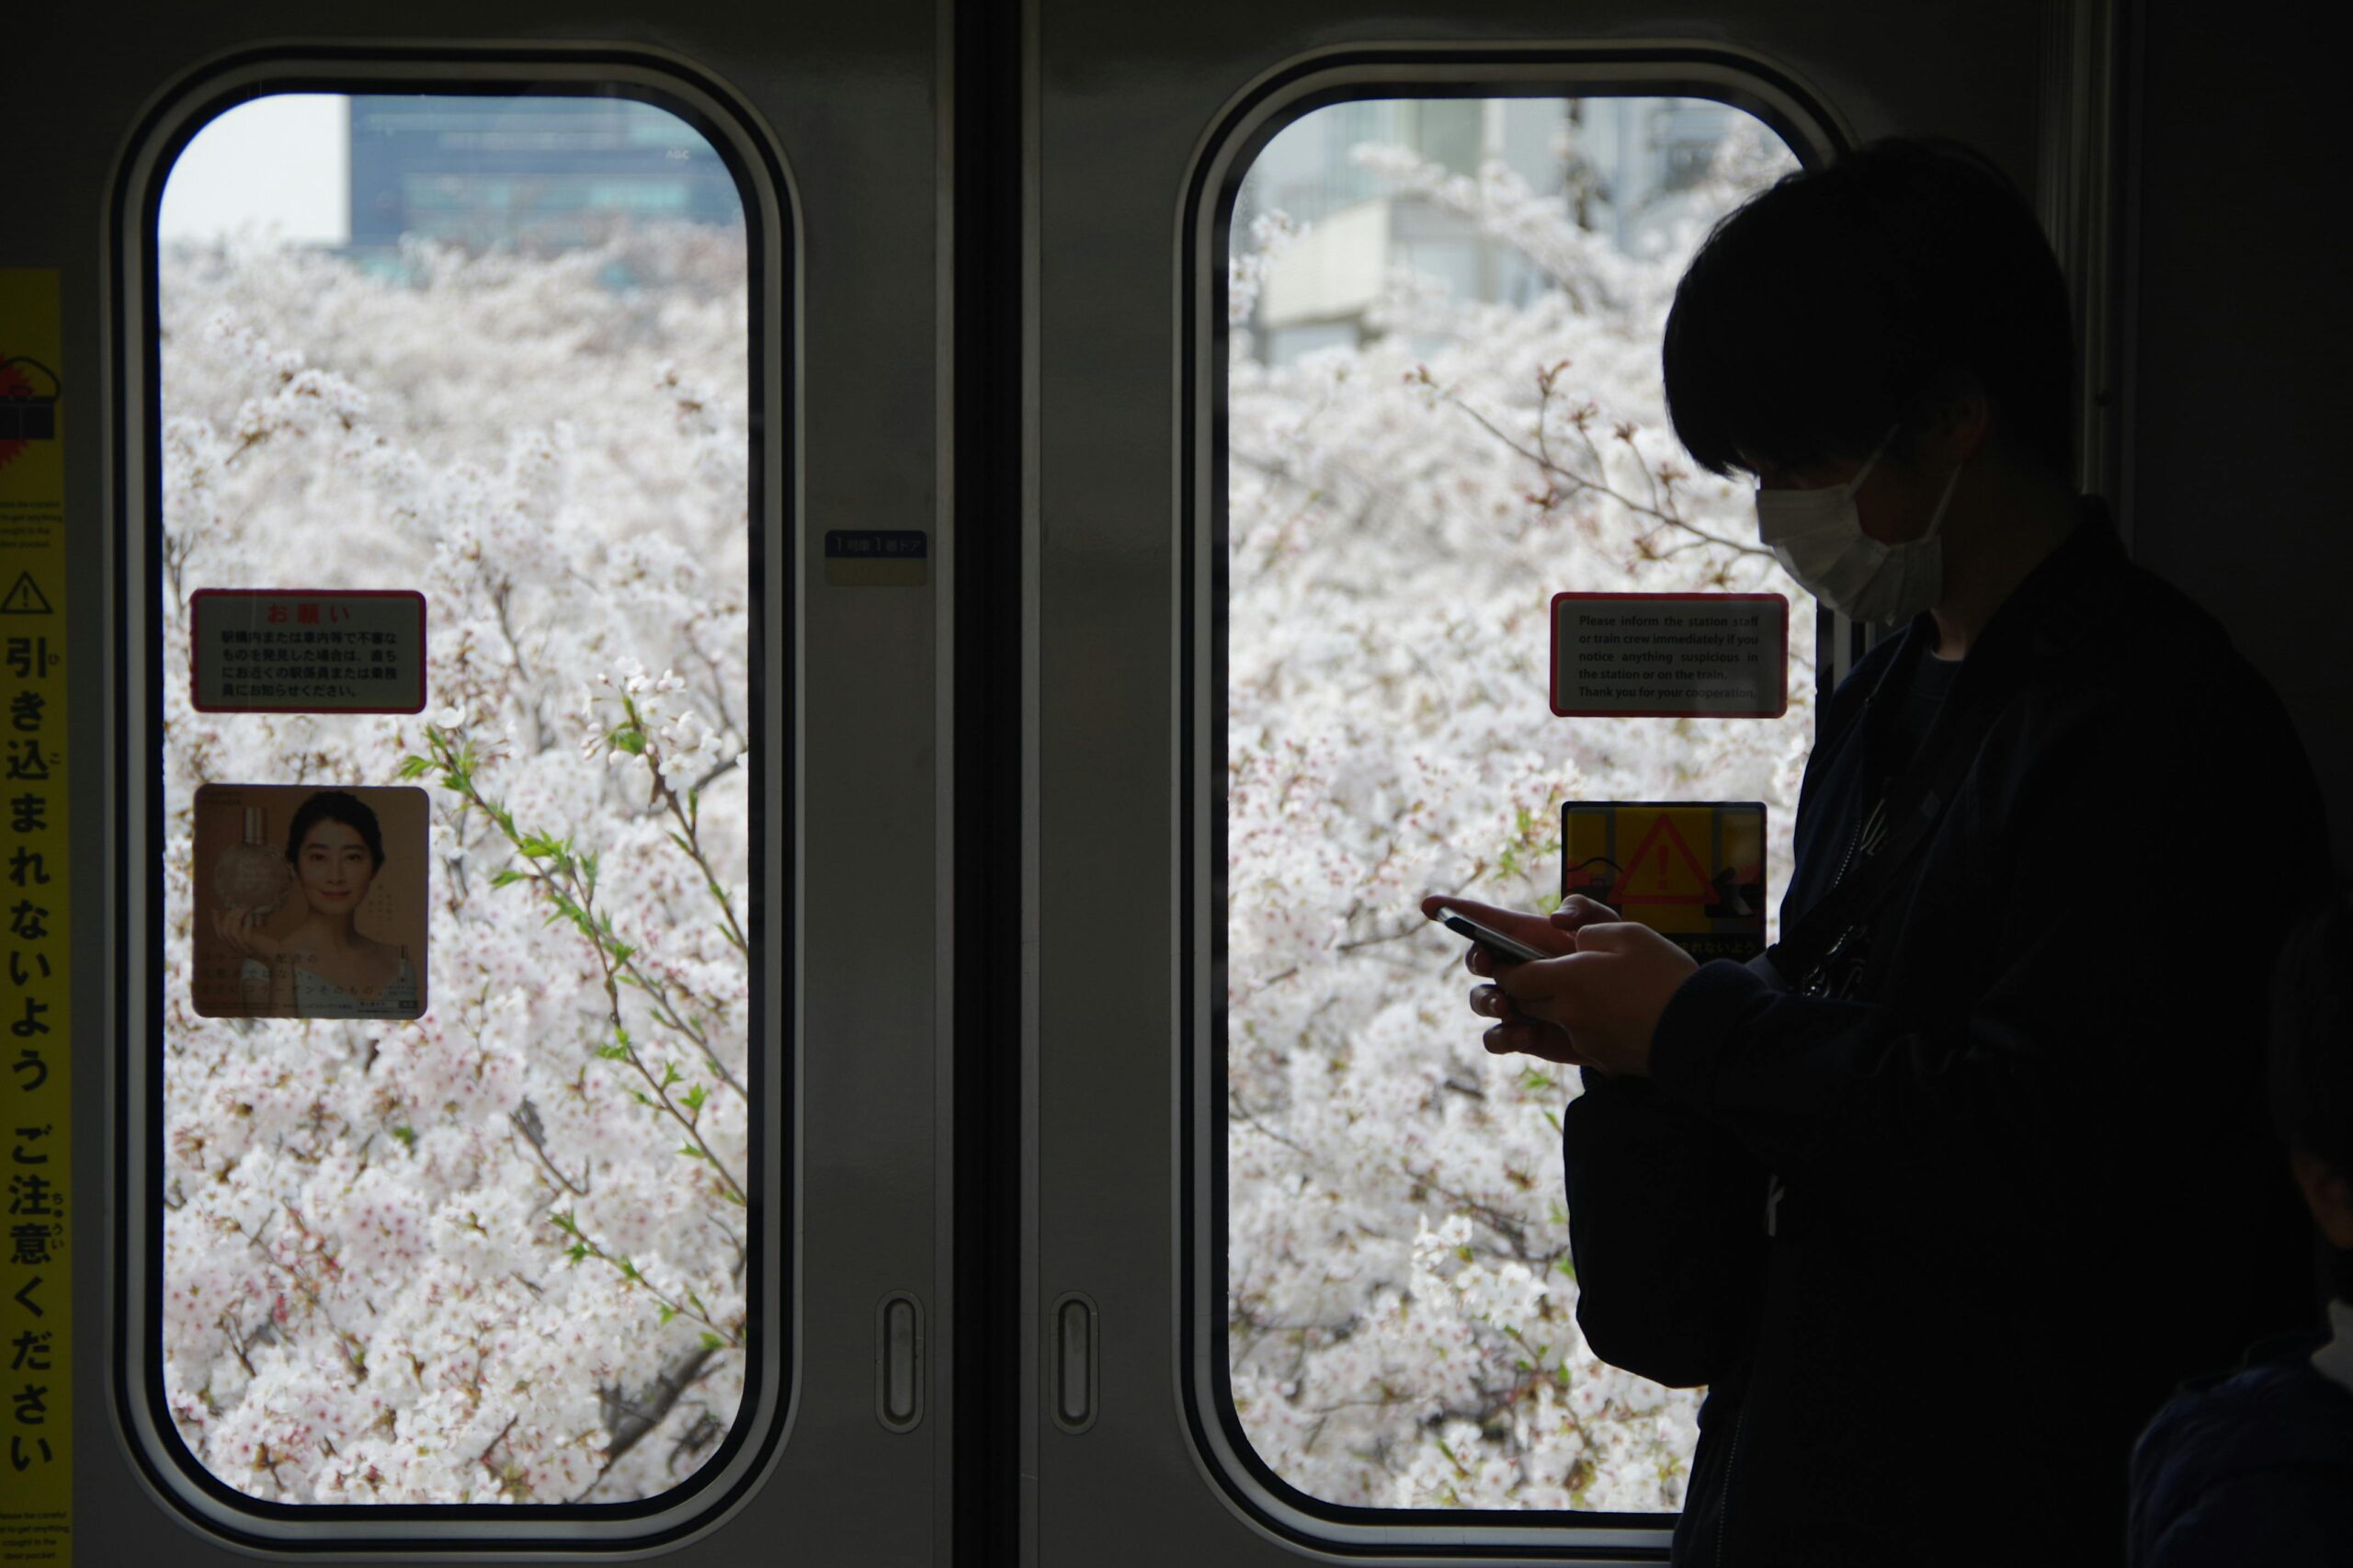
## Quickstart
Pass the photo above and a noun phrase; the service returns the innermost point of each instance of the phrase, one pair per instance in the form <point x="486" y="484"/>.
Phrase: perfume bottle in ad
<point x="252" y="876"/>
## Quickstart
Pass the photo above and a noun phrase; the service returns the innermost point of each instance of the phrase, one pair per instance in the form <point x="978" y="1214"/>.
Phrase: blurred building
<point x="1622" y="166"/>
<point x="532" y="174"/>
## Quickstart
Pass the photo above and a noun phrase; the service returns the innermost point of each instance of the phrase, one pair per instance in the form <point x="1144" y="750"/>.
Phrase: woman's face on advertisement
<point x="336" y="867"/>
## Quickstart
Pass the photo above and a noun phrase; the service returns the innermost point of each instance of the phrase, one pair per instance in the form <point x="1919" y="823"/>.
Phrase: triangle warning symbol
<point x="24" y="598"/>
<point x="1662" y="870"/>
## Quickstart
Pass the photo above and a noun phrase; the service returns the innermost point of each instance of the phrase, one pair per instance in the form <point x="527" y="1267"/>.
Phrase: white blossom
<point x="367" y="1297"/>
<point x="1401" y="1324"/>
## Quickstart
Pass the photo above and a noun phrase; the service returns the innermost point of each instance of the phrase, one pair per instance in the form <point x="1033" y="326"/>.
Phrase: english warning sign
<point x="1691" y="871"/>
<point x="1670" y="655"/>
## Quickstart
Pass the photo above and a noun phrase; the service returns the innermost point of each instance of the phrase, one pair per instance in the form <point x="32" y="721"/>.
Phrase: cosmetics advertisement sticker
<point x="46" y="1216"/>
<point x="310" y="903"/>
<point x="1691" y="871"/>
<point x="1670" y="655"/>
<point x="296" y="651"/>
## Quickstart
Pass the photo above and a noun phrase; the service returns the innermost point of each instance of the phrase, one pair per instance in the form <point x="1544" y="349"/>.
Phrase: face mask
<point x="1819" y="540"/>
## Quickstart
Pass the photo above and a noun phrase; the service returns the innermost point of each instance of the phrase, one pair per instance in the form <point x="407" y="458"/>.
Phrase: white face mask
<point x="1819" y="540"/>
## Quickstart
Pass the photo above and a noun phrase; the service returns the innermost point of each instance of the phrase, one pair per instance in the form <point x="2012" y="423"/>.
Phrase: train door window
<point x="446" y="950"/>
<point x="1442" y="405"/>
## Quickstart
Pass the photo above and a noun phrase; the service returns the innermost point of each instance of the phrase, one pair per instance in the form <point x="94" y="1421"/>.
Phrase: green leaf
<point x="613" y="1053"/>
<point x="690" y="1152"/>
<point x="407" y="1135"/>
<point x="415" y="767"/>
<point x="712" y="1342"/>
<point x="628" y="738"/>
<point x="539" y="846"/>
<point x="665" y="1312"/>
<point x="565" y="1223"/>
<point x="693" y="1098"/>
<point x="505" y="878"/>
<point x="734" y="1198"/>
<point x="576" y="1252"/>
<point x="670" y="1074"/>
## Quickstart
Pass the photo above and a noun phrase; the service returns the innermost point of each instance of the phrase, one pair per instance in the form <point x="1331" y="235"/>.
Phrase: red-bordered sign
<point x="306" y="651"/>
<point x="1670" y="655"/>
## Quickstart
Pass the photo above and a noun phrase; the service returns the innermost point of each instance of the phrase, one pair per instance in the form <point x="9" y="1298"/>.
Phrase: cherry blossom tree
<point x="496" y="1254"/>
<point x="1401" y="1324"/>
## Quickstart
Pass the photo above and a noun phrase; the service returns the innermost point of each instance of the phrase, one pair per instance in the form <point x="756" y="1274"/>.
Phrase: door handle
<point x="898" y="1361"/>
<point x="1074" y="1362"/>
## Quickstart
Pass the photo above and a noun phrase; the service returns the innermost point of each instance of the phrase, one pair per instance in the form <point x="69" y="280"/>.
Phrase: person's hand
<point x="1557" y="935"/>
<point x="1607" y="998"/>
<point x="242" y="931"/>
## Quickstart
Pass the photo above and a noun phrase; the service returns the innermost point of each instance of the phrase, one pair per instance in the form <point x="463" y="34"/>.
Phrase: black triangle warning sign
<point x="24" y="598"/>
<point x="1663" y="869"/>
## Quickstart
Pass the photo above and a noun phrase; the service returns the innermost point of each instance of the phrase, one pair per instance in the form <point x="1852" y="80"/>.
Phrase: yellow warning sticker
<point x="36" y="1107"/>
<point x="1691" y="871"/>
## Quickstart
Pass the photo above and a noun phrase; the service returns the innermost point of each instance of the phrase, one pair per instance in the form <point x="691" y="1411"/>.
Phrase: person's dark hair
<point x="335" y="806"/>
<point x="2310" y="1073"/>
<point x="1840" y="299"/>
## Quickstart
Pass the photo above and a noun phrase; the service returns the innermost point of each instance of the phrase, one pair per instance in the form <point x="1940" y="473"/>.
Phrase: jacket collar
<point x="2050" y="610"/>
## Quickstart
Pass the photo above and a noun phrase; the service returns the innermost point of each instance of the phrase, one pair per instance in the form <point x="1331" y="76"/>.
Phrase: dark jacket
<point x="2249" y="1467"/>
<point x="2024" y="1183"/>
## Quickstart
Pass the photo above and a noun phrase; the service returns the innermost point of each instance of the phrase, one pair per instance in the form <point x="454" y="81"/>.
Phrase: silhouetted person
<point x="2256" y="1466"/>
<point x="1942" y="1196"/>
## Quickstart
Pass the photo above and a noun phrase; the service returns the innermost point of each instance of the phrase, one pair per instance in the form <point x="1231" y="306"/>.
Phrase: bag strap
<point x="1926" y="789"/>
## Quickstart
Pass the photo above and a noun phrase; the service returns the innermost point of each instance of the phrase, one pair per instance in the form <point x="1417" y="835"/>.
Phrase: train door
<point x="507" y="1103"/>
<point x="1345" y="350"/>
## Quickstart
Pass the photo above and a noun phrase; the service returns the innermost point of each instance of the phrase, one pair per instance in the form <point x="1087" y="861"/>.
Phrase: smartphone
<point x="1494" y="941"/>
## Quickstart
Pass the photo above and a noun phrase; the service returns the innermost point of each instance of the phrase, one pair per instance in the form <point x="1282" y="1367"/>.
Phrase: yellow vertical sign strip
<point x="36" y="1125"/>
